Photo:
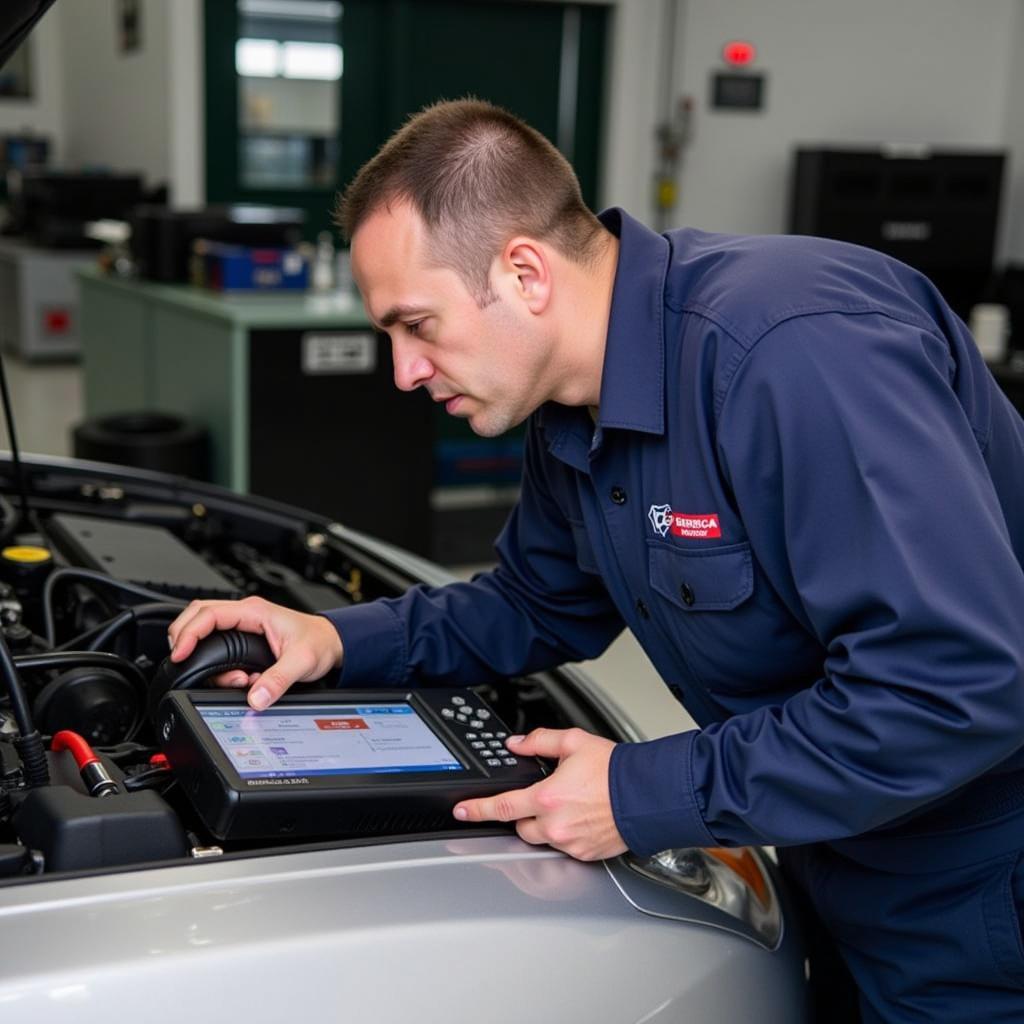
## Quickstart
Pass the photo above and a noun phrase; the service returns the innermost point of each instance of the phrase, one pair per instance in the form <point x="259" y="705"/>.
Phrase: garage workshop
<point x="521" y="495"/>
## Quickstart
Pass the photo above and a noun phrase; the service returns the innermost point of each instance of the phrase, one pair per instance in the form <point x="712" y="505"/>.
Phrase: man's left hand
<point x="571" y="809"/>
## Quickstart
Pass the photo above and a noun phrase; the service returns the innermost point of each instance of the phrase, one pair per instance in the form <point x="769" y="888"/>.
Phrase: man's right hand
<point x="306" y="646"/>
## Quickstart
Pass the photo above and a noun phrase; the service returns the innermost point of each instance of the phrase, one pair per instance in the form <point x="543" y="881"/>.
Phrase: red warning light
<point x="739" y="53"/>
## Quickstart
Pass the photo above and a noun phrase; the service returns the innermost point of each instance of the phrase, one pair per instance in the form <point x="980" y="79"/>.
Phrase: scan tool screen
<point x="327" y="739"/>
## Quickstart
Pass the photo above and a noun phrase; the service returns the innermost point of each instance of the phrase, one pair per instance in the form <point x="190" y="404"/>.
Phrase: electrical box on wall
<point x="738" y="88"/>
<point x="733" y="90"/>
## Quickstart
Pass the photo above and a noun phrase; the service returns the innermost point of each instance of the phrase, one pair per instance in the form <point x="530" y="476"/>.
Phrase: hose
<point x="89" y="576"/>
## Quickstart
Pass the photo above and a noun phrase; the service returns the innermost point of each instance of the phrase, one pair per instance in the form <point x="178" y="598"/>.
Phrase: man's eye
<point x="414" y="328"/>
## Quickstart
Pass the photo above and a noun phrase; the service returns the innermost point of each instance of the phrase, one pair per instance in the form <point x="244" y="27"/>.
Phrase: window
<point x="289" y="62"/>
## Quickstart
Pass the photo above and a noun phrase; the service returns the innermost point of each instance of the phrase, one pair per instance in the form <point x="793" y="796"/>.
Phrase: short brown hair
<point x="477" y="175"/>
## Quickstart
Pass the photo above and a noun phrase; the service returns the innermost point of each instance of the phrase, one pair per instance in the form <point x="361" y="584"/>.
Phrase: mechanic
<point x="783" y="464"/>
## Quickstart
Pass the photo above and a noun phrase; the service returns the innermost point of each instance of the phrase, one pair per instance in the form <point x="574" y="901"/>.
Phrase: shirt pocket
<point x="584" y="550"/>
<point x="717" y="579"/>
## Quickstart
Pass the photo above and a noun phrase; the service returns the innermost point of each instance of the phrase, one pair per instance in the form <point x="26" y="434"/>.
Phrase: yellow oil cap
<point x="26" y="554"/>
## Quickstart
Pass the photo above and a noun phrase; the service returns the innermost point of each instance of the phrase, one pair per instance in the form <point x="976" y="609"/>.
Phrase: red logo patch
<point x="697" y="526"/>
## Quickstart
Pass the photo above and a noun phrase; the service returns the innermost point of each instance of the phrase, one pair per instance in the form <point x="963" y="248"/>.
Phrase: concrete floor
<point x="47" y="400"/>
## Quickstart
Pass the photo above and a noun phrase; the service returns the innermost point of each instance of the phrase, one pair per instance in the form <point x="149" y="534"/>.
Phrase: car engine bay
<point x="95" y="563"/>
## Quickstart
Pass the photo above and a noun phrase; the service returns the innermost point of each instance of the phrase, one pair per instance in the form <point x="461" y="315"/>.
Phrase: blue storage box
<point x="226" y="267"/>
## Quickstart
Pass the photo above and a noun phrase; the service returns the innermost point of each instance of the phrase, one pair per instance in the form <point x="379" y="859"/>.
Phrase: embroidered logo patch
<point x="701" y="527"/>
<point x="693" y="525"/>
<point x="661" y="518"/>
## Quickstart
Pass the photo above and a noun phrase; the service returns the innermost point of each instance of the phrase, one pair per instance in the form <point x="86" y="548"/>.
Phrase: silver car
<point x="129" y="903"/>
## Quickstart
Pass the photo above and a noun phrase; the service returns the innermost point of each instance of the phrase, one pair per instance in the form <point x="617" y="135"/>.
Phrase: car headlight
<point x="734" y="881"/>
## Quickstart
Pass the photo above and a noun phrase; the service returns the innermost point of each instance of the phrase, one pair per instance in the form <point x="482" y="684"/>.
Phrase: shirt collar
<point x="632" y="380"/>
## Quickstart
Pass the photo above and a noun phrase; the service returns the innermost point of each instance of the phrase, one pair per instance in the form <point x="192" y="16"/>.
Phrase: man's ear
<point x="529" y="262"/>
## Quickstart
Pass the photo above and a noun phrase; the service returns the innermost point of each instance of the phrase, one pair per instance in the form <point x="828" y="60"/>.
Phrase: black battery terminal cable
<point x="29" y="744"/>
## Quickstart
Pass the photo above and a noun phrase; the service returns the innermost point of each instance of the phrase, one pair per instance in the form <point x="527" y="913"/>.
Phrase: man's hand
<point x="306" y="646"/>
<point x="571" y="809"/>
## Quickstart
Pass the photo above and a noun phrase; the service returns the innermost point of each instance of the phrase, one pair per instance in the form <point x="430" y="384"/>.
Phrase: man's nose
<point x="411" y="368"/>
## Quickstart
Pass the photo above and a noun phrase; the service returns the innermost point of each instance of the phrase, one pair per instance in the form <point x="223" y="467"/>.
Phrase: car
<point x="144" y="900"/>
<point x="162" y="854"/>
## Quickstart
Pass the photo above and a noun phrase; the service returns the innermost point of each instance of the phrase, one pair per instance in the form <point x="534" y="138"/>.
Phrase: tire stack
<point x="159" y="441"/>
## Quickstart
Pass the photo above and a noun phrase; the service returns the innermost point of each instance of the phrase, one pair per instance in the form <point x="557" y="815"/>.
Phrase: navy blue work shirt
<point x="804" y="494"/>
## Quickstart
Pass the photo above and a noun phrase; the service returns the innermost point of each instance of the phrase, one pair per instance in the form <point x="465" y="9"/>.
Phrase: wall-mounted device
<point x="740" y="87"/>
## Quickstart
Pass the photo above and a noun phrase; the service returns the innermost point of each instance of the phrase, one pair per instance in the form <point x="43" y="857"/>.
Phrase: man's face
<point x="487" y="365"/>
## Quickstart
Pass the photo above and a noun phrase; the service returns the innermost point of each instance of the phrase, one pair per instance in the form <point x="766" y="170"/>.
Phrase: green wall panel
<point x="115" y="363"/>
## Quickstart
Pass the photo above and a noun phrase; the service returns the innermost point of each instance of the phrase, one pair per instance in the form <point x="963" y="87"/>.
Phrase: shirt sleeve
<point x="868" y="502"/>
<point x="535" y="610"/>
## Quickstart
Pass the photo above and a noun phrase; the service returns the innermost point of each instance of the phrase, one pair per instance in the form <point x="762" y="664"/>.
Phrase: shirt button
<point x="618" y="496"/>
<point x="687" y="594"/>
<point x="641" y="609"/>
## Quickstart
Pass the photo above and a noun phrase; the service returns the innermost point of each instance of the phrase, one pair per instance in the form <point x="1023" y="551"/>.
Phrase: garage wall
<point x="1013" y="238"/>
<point x="140" y="110"/>
<point x="914" y="70"/>
<point x="930" y="71"/>
<point x="116" y="104"/>
<point x="186" y="86"/>
<point x="636" y="53"/>
<point x="44" y="113"/>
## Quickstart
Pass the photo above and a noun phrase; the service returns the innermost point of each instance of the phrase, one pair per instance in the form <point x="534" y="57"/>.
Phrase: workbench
<point x="296" y="393"/>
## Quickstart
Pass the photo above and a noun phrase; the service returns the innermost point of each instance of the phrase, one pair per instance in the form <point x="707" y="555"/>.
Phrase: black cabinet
<point x="935" y="210"/>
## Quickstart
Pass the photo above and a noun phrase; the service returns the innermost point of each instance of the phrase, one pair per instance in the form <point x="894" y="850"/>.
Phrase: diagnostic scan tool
<point x="335" y="763"/>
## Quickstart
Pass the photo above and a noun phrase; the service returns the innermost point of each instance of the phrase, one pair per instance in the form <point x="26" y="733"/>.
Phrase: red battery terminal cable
<point x="97" y="779"/>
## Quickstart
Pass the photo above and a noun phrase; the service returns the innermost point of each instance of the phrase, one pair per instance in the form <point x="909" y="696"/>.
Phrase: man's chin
<point x="486" y="424"/>
<point x="482" y="428"/>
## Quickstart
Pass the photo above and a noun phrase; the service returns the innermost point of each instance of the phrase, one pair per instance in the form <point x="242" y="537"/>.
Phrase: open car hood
<point x="17" y="19"/>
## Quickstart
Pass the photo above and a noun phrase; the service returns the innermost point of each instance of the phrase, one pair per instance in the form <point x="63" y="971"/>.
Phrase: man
<point x="782" y="463"/>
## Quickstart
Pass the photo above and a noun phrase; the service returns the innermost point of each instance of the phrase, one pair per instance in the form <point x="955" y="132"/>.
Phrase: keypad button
<point x="500" y="735"/>
<point x="487" y="735"/>
<point x="471" y="736"/>
<point x="494" y="762"/>
<point x="447" y="713"/>
<point x="458" y="701"/>
<point x="483" y="713"/>
<point x="494" y="743"/>
<point x="476" y="723"/>
<point x="510" y="761"/>
<point x="461" y="718"/>
<point x="478" y="745"/>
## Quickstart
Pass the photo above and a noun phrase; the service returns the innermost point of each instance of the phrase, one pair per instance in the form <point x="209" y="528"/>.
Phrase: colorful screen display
<point x="327" y="739"/>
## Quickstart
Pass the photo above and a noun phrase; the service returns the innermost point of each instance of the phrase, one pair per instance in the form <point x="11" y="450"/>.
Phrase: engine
<point x="90" y="578"/>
